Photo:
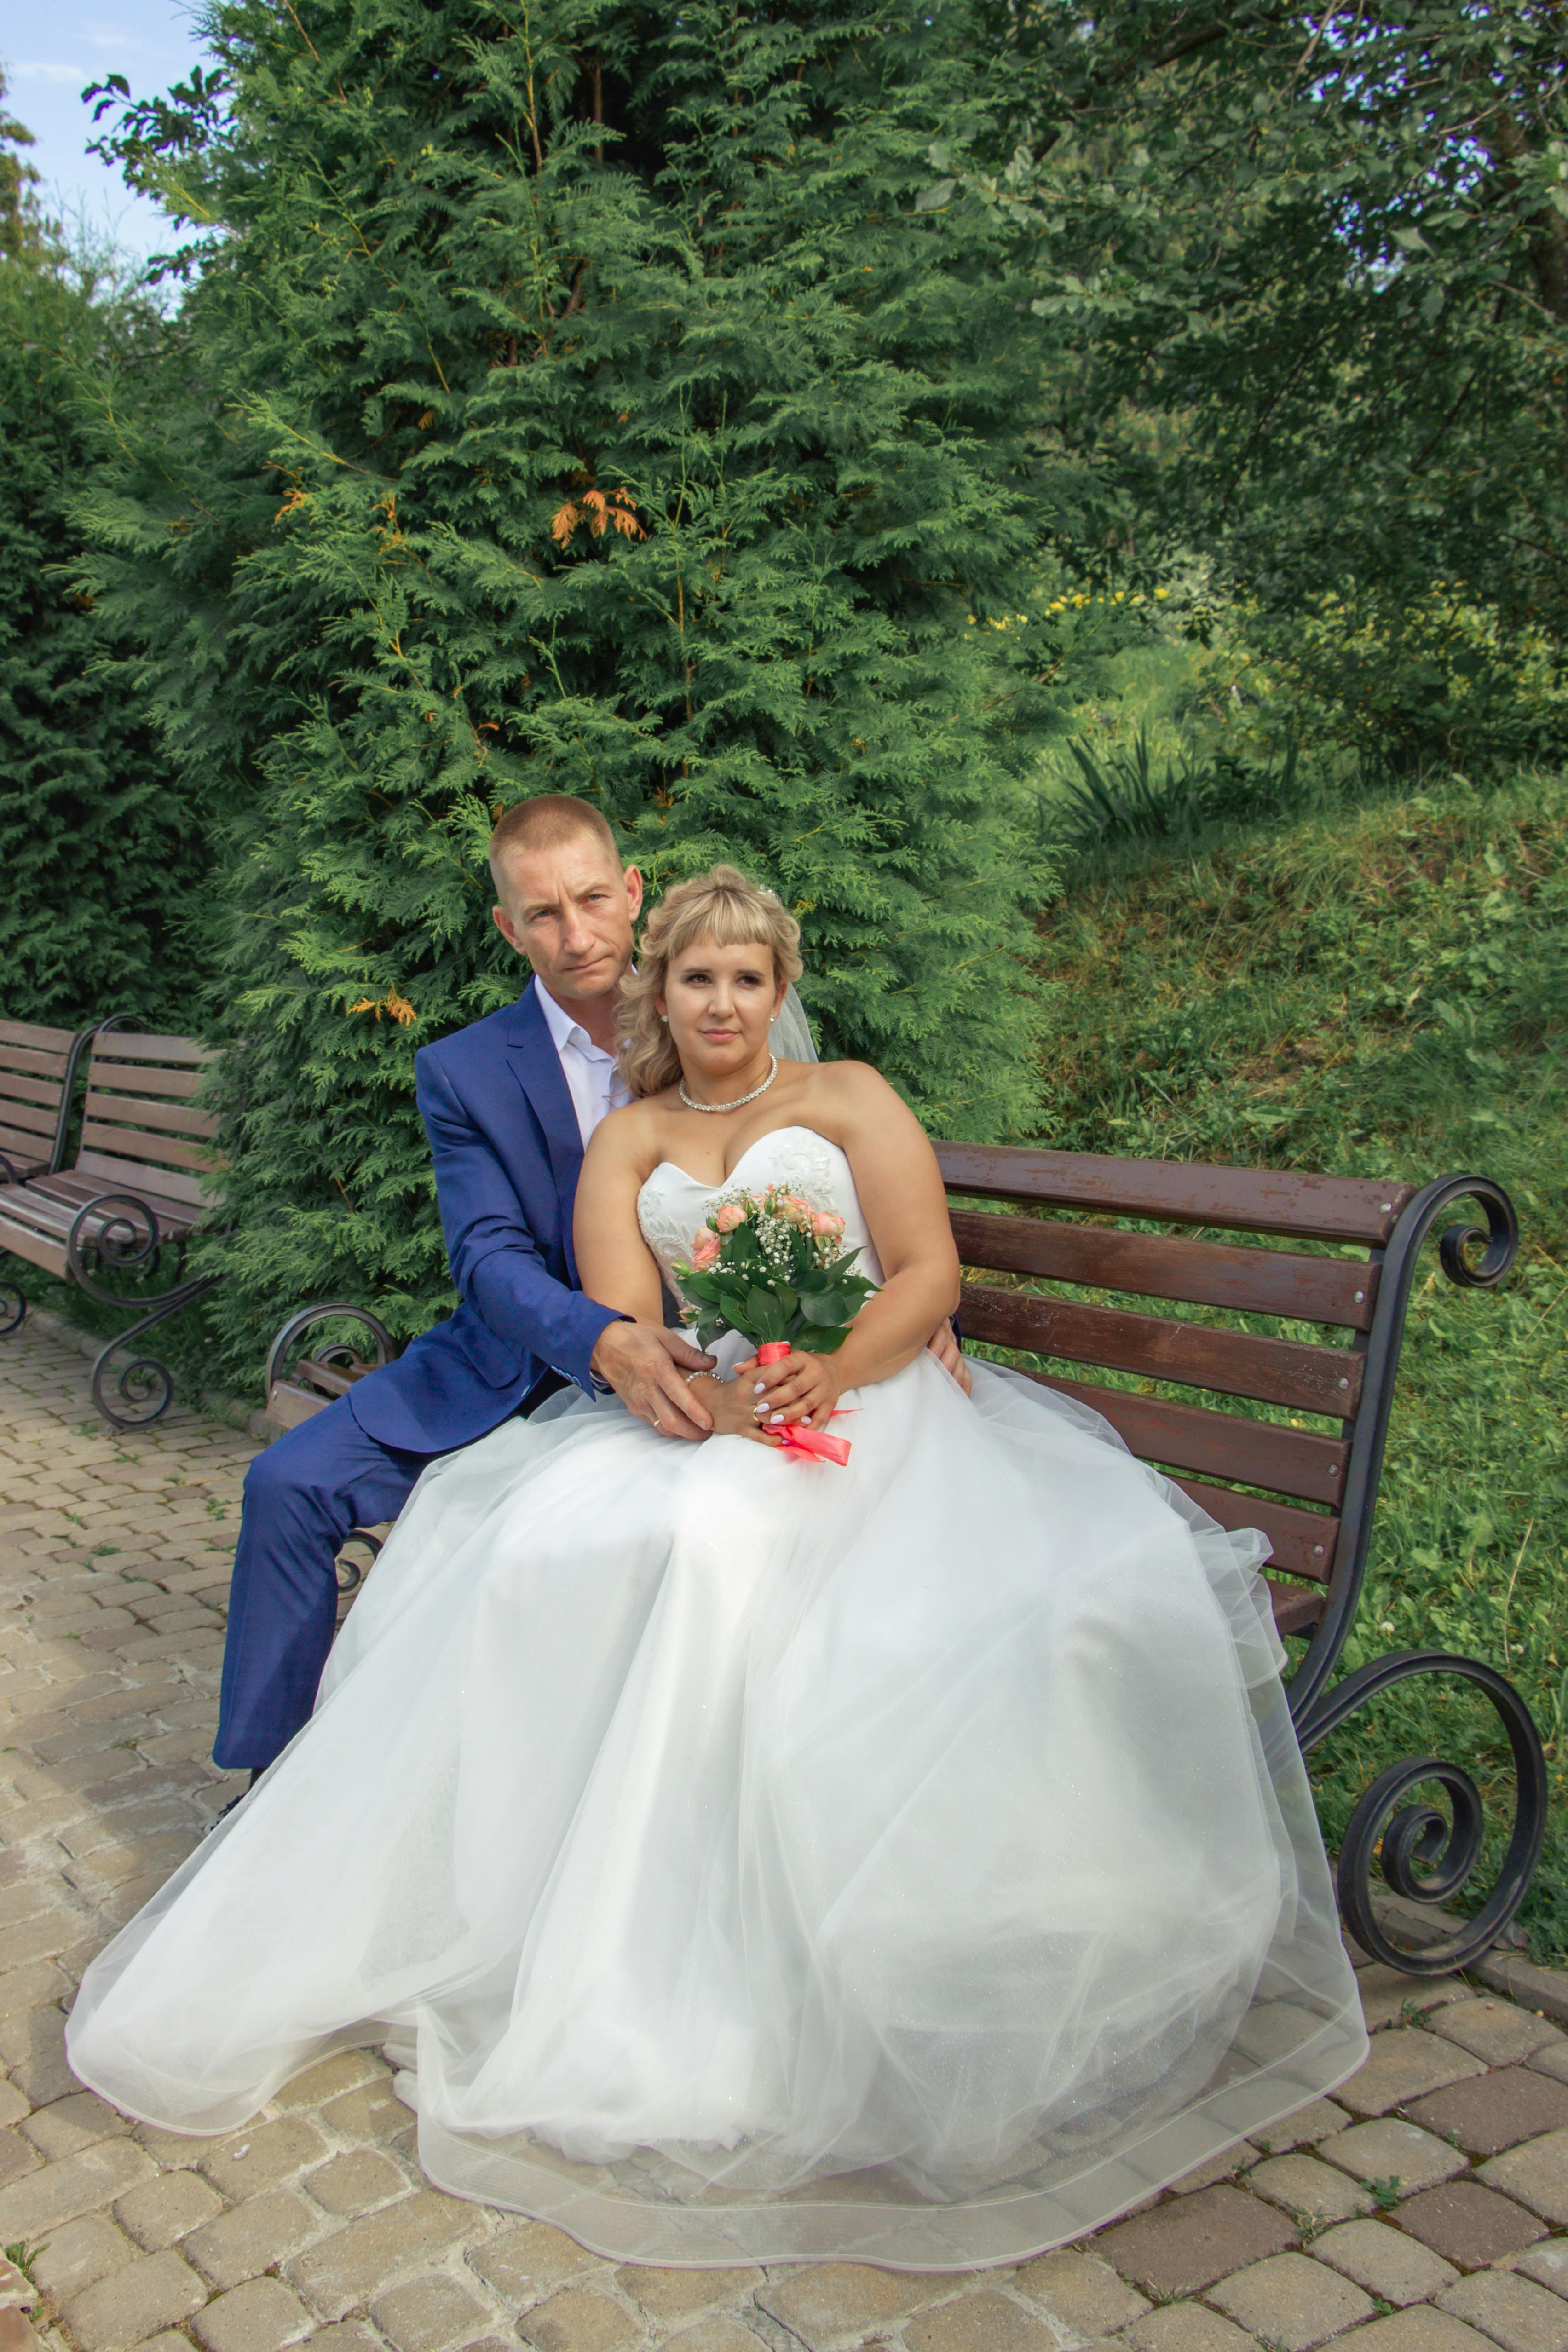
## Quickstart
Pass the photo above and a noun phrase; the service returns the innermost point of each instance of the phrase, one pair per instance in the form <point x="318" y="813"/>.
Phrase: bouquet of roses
<point x="773" y="1267"/>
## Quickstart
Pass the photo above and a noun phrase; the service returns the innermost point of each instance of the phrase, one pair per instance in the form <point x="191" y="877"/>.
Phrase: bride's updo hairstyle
<point x="720" y="908"/>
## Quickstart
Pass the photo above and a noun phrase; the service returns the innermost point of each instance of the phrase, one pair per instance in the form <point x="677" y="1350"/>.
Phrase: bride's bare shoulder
<point x="855" y="1083"/>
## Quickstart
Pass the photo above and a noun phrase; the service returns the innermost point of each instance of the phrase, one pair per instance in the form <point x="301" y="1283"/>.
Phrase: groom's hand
<point x="944" y="1346"/>
<point x="646" y="1367"/>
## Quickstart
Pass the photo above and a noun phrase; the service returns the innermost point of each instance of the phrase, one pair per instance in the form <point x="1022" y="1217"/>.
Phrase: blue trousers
<point x="301" y="1497"/>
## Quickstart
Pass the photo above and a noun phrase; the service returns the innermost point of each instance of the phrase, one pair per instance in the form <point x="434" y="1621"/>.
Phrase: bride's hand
<point x="799" y="1387"/>
<point x="731" y="1402"/>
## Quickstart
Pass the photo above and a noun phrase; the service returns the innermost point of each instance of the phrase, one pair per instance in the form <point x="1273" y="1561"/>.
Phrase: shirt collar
<point x="562" y="1029"/>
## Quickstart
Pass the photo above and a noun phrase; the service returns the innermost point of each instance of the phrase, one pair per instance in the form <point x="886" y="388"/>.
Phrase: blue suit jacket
<point x="503" y="1135"/>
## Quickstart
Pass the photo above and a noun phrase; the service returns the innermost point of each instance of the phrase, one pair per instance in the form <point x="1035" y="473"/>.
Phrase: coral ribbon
<point x="815" y="1442"/>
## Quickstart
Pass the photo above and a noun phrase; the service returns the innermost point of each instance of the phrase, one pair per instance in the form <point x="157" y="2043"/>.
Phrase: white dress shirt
<point x="593" y="1080"/>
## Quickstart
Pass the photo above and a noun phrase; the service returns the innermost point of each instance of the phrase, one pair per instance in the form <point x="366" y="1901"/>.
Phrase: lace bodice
<point x="672" y="1204"/>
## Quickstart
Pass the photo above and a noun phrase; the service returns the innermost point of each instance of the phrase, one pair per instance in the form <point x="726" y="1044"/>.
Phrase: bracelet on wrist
<point x="702" y="1373"/>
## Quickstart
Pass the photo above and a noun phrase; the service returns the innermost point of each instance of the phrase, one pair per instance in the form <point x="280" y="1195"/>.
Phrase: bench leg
<point x="1422" y="1856"/>
<point x="145" y="1387"/>
<point x="13" y="1307"/>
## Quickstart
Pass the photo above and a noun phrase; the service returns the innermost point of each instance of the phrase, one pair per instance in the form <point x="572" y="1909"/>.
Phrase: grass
<point x="1378" y="990"/>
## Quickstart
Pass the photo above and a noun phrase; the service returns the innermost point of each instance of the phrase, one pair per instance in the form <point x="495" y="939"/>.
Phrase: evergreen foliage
<point x="98" y="850"/>
<point x="597" y="409"/>
<point x="1303" y="275"/>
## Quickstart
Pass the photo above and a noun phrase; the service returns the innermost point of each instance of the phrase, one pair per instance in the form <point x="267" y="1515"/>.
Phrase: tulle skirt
<point x="768" y="1860"/>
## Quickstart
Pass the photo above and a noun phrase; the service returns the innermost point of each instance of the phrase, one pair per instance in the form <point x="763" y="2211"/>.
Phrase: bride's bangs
<point x="721" y="908"/>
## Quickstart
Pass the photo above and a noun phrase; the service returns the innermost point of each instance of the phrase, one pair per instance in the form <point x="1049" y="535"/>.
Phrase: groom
<point x="509" y="1104"/>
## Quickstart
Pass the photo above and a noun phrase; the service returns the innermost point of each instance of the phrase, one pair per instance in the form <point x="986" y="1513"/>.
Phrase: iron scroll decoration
<point x="1421" y="1855"/>
<point x="120" y="1231"/>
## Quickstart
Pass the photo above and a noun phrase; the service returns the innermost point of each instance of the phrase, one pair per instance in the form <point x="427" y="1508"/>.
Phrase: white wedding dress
<point x="911" y="1862"/>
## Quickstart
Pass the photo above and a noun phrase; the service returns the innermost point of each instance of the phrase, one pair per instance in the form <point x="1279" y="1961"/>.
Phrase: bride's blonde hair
<point x="720" y="908"/>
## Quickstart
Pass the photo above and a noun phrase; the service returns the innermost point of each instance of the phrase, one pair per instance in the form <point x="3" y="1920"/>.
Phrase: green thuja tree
<point x="581" y="399"/>
<point x="100" y="858"/>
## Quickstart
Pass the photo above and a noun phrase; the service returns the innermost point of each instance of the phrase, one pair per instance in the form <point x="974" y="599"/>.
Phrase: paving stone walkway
<point x="1423" y="2209"/>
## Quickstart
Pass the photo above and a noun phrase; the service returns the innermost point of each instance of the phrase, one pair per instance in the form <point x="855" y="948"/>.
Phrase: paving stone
<point x="1498" y="2030"/>
<point x="1305" y="2128"/>
<point x="1496" y="2111"/>
<point x="1186" y="2328"/>
<point x="77" y="2184"/>
<point x="251" y="2238"/>
<point x="1392" y="2267"/>
<point x="983" y="2322"/>
<point x="708" y="2336"/>
<point x="1547" y="2265"/>
<point x="1223" y="2167"/>
<point x="1468" y="2225"/>
<point x="1389" y="1997"/>
<point x="260" y="2317"/>
<point x="429" y="2313"/>
<point x="1551" y="2059"/>
<point x="529" y="2257"/>
<point x="669" y="2296"/>
<point x="352" y="2335"/>
<point x="345" y="2070"/>
<point x="578" y="2320"/>
<point x="1422" y="2328"/>
<point x="80" y="2255"/>
<point x="1537" y="2174"/>
<point x="16" y="2156"/>
<point x="352" y="2183"/>
<point x="369" y="2113"/>
<point x="824" y="2301"/>
<point x="372" y="2252"/>
<point x="1404" y="2064"/>
<point x="1292" y="2301"/>
<point x="1394" y="2150"/>
<point x="161" y="2212"/>
<point x="1305" y="2187"/>
<point x="1085" y="2294"/>
<point x="262" y="2156"/>
<point x="157" y="2292"/>
<point x="32" y="2046"/>
<point x="69" y="2124"/>
<point x="1181" y="2248"/>
<point x="1514" y="2311"/>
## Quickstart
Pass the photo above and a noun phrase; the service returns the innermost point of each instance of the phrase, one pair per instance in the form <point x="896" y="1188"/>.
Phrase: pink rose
<point x="730" y="1215"/>
<point x="705" y="1250"/>
<point x="798" y="1212"/>
<point x="825" y="1224"/>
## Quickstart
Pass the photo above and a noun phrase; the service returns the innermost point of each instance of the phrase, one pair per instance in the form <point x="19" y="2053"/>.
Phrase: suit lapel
<point x="536" y="1066"/>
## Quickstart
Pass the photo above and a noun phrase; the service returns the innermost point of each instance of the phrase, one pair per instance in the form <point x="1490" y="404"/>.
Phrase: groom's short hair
<point x="545" y="822"/>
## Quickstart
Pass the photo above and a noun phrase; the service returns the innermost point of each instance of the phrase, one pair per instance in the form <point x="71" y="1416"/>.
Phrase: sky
<point x="51" y="50"/>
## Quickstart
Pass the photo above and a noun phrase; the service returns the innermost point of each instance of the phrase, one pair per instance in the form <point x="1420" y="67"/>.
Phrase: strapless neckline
<point x="795" y="1127"/>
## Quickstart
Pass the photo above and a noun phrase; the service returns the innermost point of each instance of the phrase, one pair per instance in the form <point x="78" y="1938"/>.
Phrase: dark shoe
<point x="228" y="1809"/>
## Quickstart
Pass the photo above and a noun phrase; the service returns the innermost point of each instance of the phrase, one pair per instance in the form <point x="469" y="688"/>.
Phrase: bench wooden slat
<point x="1160" y="1266"/>
<point x="166" y="1188"/>
<point x="125" y="1078"/>
<point x="1274" y="1372"/>
<point x="47" y="1208"/>
<point x="163" y="1152"/>
<point x="1256" y="1200"/>
<point x="1219" y="1444"/>
<point x="124" y="1045"/>
<point x="163" y="1118"/>
<point x="36" y="1248"/>
<point x="35" y="1036"/>
<point x="1295" y="1611"/>
<point x="22" y="1061"/>
<point x="34" y="1117"/>
<point x="1303" y="1541"/>
<point x="17" y="1087"/>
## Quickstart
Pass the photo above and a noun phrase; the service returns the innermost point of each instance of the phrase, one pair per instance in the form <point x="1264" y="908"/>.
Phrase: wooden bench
<point x="137" y="1187"/>
<point x="1061" y="1243"/>
<point x="37" y="1086"/>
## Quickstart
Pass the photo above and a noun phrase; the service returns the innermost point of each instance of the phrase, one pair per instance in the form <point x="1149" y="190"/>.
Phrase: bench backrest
<point x="140" y="1125"/>
<point x="1302" y="1458"/>
<point x="37" y="1067"/>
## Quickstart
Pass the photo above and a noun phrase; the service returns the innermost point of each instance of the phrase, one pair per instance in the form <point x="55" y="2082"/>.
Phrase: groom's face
<point x="570" y="911"/>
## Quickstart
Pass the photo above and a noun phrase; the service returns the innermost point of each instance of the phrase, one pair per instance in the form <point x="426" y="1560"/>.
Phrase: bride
<point x="759" y="1860"/>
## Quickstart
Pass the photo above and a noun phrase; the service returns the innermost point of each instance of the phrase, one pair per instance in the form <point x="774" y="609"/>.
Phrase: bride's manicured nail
<point x="775" y="1416"/>
<point x="757" y="1387"/>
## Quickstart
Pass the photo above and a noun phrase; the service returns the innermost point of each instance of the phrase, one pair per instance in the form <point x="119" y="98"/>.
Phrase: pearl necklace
<point x="741" y="1100"/>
